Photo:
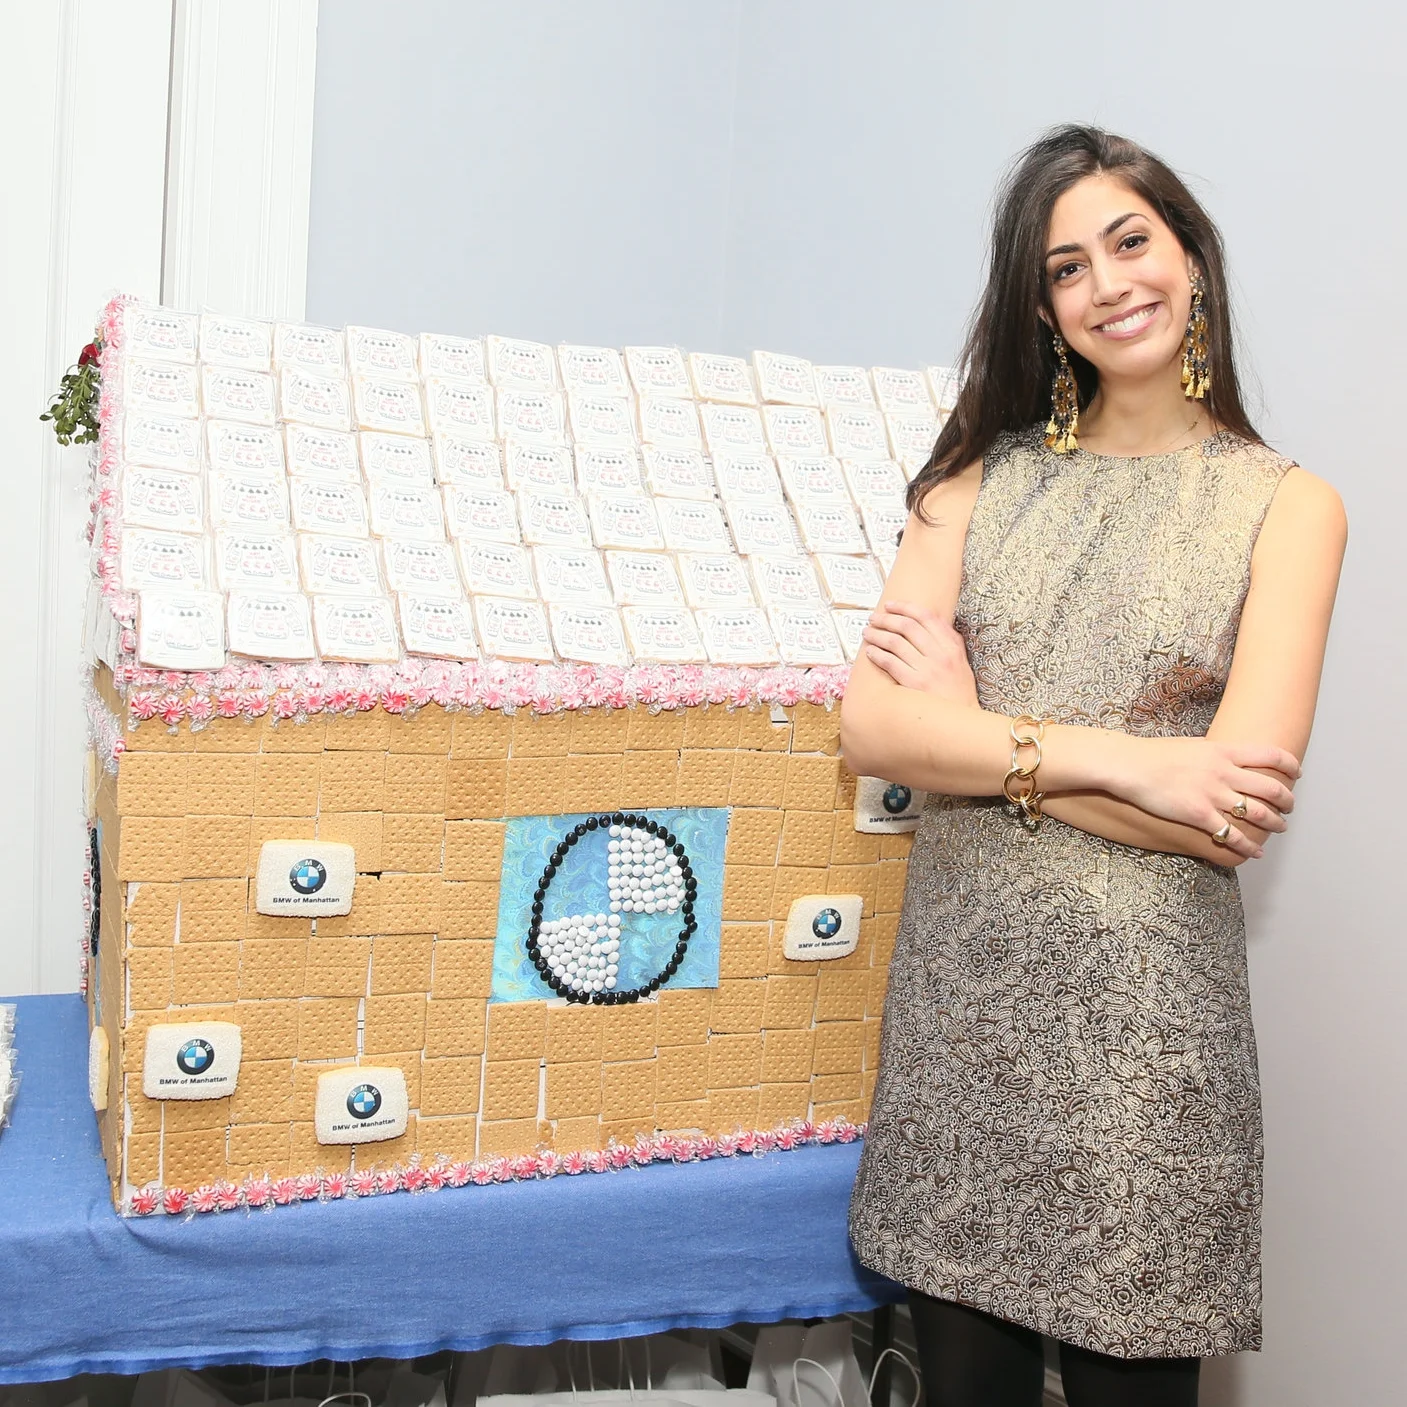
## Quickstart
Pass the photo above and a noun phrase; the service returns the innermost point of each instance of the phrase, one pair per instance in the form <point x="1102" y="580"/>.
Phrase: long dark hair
<point x="1008" y="360"/>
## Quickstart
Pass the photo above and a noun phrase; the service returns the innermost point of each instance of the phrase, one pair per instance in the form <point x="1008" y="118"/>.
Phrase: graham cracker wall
<point x="404" y="978"/>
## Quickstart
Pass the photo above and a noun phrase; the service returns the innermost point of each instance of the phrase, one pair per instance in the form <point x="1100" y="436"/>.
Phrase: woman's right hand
<point x="1197" y="782"/>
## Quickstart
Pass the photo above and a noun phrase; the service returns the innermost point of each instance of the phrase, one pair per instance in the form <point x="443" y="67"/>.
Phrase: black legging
<point x="972" y="1359"/>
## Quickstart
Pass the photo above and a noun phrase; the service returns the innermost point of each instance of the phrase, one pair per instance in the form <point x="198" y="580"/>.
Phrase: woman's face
<point x="1118" y="280"/>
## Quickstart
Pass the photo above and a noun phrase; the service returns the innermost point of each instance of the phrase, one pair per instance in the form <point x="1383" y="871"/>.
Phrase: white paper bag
<point x="643" y="1396"/>
<point x="408" y="1388"/>
<point x="661" y="1370"/>
<point x="177" y="1387"/>
<point x="520" y="1371"/>
<point x="814" y="1367"/>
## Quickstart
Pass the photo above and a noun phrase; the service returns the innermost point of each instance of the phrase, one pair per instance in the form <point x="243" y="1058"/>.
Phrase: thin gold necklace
<point x="1192" y="425"/>
<point x="1186" y="430"/>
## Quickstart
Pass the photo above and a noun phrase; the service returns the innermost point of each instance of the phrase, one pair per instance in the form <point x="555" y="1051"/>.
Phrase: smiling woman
<point x="1132" y="298"/>
<point x="1086" y="218"/>
<point x="1099" y="651"/>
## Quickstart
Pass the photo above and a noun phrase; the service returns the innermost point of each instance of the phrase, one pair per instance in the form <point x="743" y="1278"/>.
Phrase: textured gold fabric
<point x="1066" y="1127"/>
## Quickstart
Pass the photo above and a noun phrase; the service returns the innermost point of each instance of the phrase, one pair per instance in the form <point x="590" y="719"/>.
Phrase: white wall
<point x="83" y="107"/>
<point x="90" y="206"/>
<point x="519" y="166"/>
<point x="813" y="177"/>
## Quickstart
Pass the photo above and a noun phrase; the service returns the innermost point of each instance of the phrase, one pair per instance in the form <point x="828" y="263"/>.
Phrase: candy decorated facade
<point x="465" y="790"/>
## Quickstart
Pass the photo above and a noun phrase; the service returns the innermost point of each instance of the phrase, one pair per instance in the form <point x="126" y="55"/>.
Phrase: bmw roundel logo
<point x="195" y="1057"/>
<point x="826" y="924"/>
<point x="363" y="1101"/>
<point x="307" y="876"/>
<point x="897" y="798"/>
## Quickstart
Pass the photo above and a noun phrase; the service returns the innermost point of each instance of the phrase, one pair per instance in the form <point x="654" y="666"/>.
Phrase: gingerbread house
<point x="465" y="780"/>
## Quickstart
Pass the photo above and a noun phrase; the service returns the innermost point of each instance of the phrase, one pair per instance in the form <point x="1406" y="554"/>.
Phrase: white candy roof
<point x="286" y="493"/>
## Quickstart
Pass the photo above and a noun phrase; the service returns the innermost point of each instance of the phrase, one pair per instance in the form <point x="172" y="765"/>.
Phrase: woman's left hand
<point x="918" y="649"/>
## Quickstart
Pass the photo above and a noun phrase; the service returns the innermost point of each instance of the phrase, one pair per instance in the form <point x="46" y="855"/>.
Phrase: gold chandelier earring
<point x="1064" y="403"/>
<point x="1196" y="364"/>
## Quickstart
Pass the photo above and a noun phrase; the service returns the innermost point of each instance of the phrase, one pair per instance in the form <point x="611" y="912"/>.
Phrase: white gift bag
<point x="408" y="1388"/>
<point x="778" y="1346"/>
<point x="676" y="1361"/>
<point x="685" y="1359"/>
<point x="178" y="1387"/>
<point x="808" y="1367"/>
<point x="816" y="1366"/>
<point x="522" y="1370"/>
<point x="680" y="1378"/>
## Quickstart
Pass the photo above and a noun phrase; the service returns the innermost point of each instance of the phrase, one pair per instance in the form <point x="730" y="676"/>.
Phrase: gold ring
<point x="1219" y="837"/>
<point x="1239" y="810"/>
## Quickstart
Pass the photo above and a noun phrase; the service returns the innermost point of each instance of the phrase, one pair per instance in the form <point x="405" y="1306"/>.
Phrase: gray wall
<point x="814" y="178"/>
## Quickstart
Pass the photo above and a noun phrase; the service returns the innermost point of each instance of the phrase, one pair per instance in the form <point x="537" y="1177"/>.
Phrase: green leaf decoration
<point x="74" y="408"/>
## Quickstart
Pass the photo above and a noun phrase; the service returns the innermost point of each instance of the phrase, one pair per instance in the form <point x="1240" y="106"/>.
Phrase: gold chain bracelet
<point x="1028" y="798"/>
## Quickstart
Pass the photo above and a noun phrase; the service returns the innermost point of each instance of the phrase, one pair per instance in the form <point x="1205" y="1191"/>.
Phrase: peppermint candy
<point x="583" y="951"/>
<point x="642" y="876"/>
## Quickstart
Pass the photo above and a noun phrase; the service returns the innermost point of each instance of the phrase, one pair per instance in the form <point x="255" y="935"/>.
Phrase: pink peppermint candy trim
<point x="262" y="1193"/>
<point x="295" y="694"/>
<point x="105" y="456"/>
<point x="104" y="730"/>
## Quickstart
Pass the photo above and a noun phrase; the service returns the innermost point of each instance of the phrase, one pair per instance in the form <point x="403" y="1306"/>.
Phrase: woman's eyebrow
<point x="1103" y="234"/>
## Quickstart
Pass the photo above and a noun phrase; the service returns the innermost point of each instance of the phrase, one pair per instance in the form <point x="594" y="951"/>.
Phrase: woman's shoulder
<point x="1236" y="449"/>
<point x="1011" y="456"/>
<point x="1018" y="451"/>
<point x="1027" y="442"/>
<point x="1299" y="502"/>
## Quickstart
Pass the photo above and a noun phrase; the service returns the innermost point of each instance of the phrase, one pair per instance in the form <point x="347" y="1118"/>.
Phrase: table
<point x="596" y="1256"/>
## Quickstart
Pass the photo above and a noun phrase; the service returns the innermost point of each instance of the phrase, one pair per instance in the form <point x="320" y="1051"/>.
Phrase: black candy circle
<point x="601" y="821"/>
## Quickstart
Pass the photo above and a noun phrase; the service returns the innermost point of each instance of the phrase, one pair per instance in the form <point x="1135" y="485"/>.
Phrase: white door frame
<point x="239" y="166"/>
<point x="98" y="94"/>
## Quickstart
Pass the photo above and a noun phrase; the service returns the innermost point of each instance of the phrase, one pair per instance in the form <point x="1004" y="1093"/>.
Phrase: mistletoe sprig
<point x="74" y="410"/>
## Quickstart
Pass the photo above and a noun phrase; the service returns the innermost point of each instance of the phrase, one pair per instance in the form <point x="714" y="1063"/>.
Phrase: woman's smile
<point x="1129" y="325"/>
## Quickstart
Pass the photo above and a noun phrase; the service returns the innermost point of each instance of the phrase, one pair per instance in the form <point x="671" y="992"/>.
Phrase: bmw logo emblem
<point x="307" y="876"/>
<point x="826" y="924"/>
<point x="195" y="1057"/>
<point x="363" y="1101"/>
<point x="587" y="957"/>
<point x="897" y="799"/>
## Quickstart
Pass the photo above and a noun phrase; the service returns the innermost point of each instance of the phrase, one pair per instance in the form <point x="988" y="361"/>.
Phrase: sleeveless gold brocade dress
<point x="1066" y="1124"/>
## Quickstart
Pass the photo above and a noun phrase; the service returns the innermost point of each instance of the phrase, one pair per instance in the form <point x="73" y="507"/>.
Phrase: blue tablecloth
<point x="596" y="1256"/>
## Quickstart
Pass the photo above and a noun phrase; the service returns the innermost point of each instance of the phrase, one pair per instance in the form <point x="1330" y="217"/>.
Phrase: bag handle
<point x="624" y="1369"/>
<point x="874" y="1374"/>
<point x="362" y="1399"/>
<point x="796" y="1384"/>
